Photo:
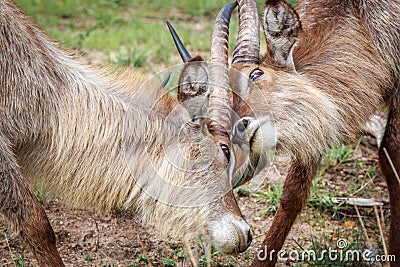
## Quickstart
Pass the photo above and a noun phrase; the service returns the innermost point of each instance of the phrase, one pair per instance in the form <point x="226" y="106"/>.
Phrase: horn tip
<point x="185" y="55"/>
<point x="169" y="25"/>
<point x="166" y="80"/>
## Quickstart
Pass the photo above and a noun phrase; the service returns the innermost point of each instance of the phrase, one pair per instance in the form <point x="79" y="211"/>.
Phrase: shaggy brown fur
<point x="320" y="91"/>
<point x="97" y="141"/>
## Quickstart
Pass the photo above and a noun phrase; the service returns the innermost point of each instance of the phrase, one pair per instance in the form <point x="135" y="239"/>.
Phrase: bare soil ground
<point x="87" y="238"/>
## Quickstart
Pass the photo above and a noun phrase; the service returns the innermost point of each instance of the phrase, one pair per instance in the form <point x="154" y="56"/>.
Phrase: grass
<point x="88" y="257"/>
<point x="336" y="156"/>
<point x="42" y="193"/>
<point x="141" y="257"/>
<point x="271" y="196"/>
<point x="320" y="197"/>
<point x="168" y="262"/>
<point x="128" y="32"/>
<point x="334" y="251"/>
<point x="321" y="192"/>
<point x="19" y="261"/>
<point x="356" y="174"/>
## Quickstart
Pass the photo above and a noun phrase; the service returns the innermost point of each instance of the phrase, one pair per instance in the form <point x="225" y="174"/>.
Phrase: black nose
<point x="249" y="239"/>
<point x="239" y="136"/>
<point x="242" y="125"/>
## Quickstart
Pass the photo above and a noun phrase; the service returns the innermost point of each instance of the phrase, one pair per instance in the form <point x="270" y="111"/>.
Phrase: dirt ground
<point x="87" y="238"/>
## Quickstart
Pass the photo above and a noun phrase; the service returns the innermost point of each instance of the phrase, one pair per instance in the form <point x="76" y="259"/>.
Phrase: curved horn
<point x="178" y="43"/>
<point x="248" y="41"/>
<point x="219" y="101"/>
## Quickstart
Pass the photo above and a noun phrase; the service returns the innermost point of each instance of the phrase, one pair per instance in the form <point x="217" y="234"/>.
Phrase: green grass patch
<point x="272" y="195"/>
<point x="320" y="198"/>
<point x="338" y="250"/>
<point x="129" y="32"/>
<point x="168" y="262"/>
<point x="89" y="257"/>
<point x="42" y="193"/>
<point x="336" y="156"/>
<point x="20" y="261"/>
<point x="141" y="257"/>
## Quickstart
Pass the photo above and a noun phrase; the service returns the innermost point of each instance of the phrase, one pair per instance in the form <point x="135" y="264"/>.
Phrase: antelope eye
<point x="226" y="151"/>
<point x="255" y="74"/>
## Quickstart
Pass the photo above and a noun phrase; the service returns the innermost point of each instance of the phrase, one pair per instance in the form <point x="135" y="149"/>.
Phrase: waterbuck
<point x="96" y="142"/>
<point x="328" y="68"/>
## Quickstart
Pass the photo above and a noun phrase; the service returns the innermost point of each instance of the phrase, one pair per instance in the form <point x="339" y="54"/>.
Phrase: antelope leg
<point x="23" y="211"/>
<point x="389" y="161"/>
<point x="294" y="196"/>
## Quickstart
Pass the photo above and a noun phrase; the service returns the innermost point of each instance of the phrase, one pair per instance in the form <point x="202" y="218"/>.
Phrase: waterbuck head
<point x="261" y="76"/>
<point x="285" y="104"/>
<point x="203" y="91"/>
<point x="247" y="72"/>
<point x="265" y="88"/>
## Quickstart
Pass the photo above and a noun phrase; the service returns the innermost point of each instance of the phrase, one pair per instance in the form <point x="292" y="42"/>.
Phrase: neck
<point x="68" y="121"/>
<point x="342" y="77"/>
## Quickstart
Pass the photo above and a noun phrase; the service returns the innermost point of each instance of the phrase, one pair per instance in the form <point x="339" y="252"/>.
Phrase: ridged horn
<point x="219" y="101"/>
<point x="178" y="43"/>
<point x="248" y="41"/>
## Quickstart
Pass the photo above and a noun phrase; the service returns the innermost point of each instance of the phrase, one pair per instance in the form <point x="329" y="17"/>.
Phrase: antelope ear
<point x="193" y="88"/>
<point x="281" y="27"/>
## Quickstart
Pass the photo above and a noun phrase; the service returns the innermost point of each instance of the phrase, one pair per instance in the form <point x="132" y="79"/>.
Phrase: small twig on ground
<point x="363" y="226"/>
<point x="371" y="180"/>
<point x="97" y="235"/>
<point x="208" y="253"/>
<point x="277" y="171"/>
<point x="189" y="252"/>
<point x="206" y="245"/>
<point x="381" y="231"/>
<point x="144" y="251"/>
<point x="392" y="165"/>
<point x="9" y="248"/>
<point x="382" y="218"/>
